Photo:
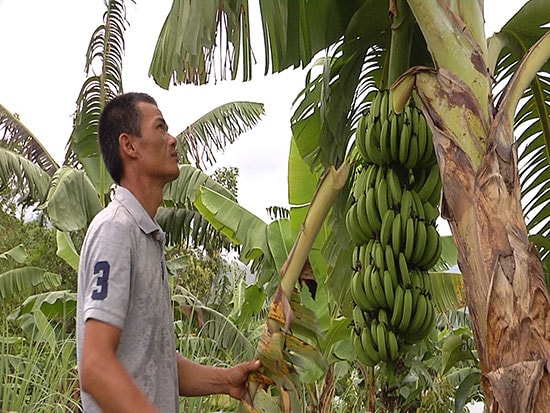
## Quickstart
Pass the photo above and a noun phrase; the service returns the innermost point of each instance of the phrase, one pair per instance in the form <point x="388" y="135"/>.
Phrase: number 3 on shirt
<point x="101" y="269"/>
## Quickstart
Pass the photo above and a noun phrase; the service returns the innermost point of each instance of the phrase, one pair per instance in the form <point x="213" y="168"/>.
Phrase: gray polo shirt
<point x="122" y="280"/>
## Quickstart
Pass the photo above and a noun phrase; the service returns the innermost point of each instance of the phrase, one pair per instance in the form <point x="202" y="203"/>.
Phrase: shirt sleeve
<point x="106" y="273"/>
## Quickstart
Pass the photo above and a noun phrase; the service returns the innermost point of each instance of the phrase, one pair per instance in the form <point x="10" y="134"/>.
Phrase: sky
<point x="42" y="71"/>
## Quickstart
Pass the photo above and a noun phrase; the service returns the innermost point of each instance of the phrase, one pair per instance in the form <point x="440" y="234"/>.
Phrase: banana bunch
<point x="391" y="221"/>
<point x="383" y="137"/>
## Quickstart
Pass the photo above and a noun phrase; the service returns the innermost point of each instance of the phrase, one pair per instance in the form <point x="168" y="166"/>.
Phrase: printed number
<point x="102" y="268"/>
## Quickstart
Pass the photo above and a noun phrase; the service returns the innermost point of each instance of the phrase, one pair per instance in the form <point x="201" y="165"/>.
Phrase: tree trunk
<point x="505" y="289"/>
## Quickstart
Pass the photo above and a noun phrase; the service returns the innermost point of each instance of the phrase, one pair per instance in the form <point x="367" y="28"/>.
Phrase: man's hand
<point x="237" y="378"/>
<point x="200" y="380"/>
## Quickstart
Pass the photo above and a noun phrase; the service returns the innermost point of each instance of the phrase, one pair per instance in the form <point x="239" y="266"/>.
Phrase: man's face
<point x="156" y="147"/>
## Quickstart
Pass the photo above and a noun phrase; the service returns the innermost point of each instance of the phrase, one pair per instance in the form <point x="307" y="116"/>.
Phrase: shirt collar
<point x="134" y="207"/>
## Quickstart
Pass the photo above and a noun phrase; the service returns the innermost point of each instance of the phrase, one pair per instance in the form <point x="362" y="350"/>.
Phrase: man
<point x="126" y="351"/>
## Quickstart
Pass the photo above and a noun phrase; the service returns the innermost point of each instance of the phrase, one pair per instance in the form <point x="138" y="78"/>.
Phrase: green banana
<point x="358" y="317"/>
<point x="377" y="288"/>
<point x="407" y="202"/>
<point x="362" y="355"/>
<point x="384" y="140"/>
<point x="384" y="102"/>
<point x="397" y="311"/>
<point x="360" y="183"/>
<point x="373" y="215"/>
<point x="386" y="227"/>
<point x="369" y="345"/>
<point x="422" y="132"/>
<point x="432" y="246"/>
<point x="361" y="219"/>
<point x="404" y="140"/>
<point x="428" y="187"/>
<point x="388" y="289"/>
<point x="429" y="158"/>
<point x="420" y="237"/>
<point x="396" y="234"/>
<point x="409" y="238"/>
<point x="412" y="157"/>
<point x="404" y="270"/>
<point x="414" y="113"/>
<point x="373" y="328"/>
<point x="358" y="292"/>
<point x="417" y="279"/>
<point x="360" y="132"/>
<point x="375" y="106"/>
<point x="378" y="256"/>
<point x="381" y="339"/>
<point x="393" y="347"/>
<point x="407" y="311"/>
<point x="428" y="323"/>
<point x="435" y="257"/>
<point x="394" y="187"/>
<point x="420" y="312"/>
<point x="394" y="137"/>
<point x="431" y="212"/>
<point x="367" y="287"/>
<point x="389" y="259"/>
<point x="382" y="196"/>
<point x="372" y="171"/>
<point x="383" y="317"/>
<point x="372" y="139"/>
<point x="366" y="252"/>
<point x="418" y="206"/>
<point x="353" y="226"/>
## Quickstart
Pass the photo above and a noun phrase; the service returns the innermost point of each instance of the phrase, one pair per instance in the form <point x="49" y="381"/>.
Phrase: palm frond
<point x="16" y="136"/>
<point x="532" y="119"/>
<point x="104" y="56"/>
<point x="185" y="49"/>
<point x="28" y="180"/>
<point x="216" y="129"/>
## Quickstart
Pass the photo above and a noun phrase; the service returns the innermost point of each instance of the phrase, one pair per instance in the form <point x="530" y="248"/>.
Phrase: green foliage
<point x="38" y="372"/>
<point x="40" y="245"/>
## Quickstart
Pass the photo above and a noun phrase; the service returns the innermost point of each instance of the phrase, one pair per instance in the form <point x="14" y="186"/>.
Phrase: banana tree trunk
<point x="505" y="289"/>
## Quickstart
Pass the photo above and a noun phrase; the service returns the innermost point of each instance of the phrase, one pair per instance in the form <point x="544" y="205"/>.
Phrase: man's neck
<point x="149" y="196"/>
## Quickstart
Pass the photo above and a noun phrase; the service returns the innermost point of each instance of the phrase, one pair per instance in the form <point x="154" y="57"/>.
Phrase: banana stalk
<point x="281" y="316"/>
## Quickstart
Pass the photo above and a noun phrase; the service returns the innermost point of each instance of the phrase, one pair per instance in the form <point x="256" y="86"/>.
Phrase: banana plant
<point x="72" y="194"/>
<point x="452" y="66"/>
<point x="283" y="344"/>
<point x="20" y="280"/>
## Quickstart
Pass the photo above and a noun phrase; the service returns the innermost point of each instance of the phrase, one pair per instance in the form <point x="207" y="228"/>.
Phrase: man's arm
<point x="200" y="380"/>
<point x="102" y="374"/>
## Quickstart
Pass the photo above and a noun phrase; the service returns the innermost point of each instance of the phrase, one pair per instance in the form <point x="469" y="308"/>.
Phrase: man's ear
<point x="126" y="143"/>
